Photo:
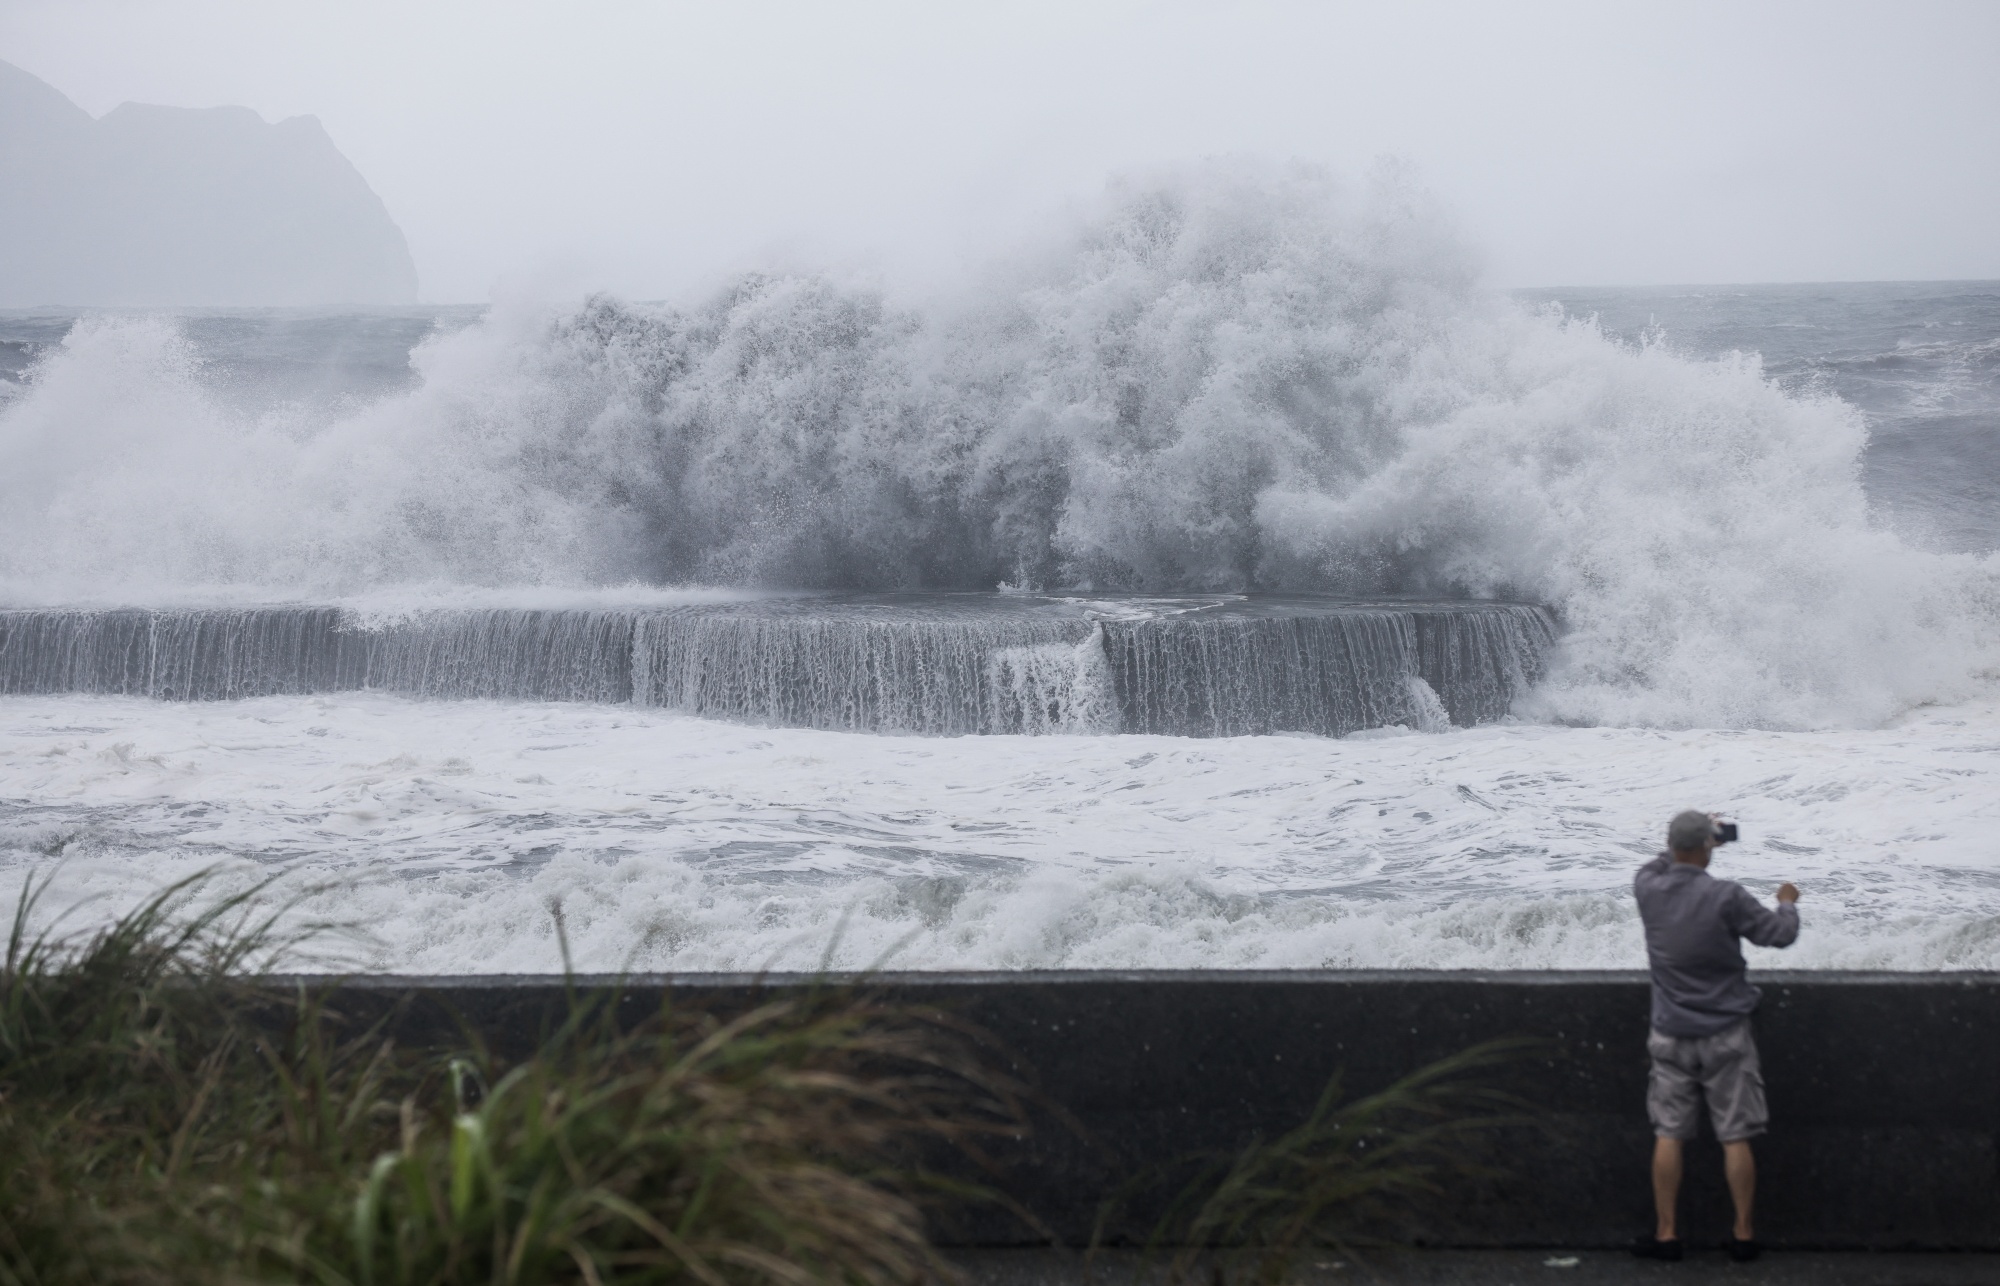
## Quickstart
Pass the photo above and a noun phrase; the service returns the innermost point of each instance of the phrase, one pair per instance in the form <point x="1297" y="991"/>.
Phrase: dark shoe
<point x="1654" y="1248"/>
<point x="1744" y="1251"/>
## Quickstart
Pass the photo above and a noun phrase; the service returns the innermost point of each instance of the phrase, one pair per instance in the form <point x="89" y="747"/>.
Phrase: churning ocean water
<point x="1086" y="616"/>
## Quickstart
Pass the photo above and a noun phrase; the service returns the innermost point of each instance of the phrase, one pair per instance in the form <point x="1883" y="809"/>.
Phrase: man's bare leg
<point x="1739" y="1164"/>
<point x="1667" y="1184"/>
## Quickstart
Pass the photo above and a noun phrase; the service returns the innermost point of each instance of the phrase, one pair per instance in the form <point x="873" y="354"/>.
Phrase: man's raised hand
<point x="1788" y="892"/>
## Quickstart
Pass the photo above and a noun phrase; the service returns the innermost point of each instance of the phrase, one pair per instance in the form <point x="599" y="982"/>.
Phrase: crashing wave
<point x="1232" y="379"/>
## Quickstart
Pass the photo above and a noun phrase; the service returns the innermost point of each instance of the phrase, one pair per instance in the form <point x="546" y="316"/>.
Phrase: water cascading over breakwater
<point x="930" y="664"/>
<point x="1231" y="379"/>
<point x="1227" y="382"/>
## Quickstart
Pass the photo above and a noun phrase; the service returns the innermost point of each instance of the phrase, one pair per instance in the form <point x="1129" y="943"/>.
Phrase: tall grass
<point x="165" y="1119"/>
<point x="1352" y="1172"/>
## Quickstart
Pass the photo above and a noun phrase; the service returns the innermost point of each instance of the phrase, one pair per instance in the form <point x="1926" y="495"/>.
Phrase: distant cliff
<point x="184" y="206"/>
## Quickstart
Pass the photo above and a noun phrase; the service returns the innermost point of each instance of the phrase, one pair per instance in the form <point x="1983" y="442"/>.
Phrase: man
<point x="1701" y="1044"/>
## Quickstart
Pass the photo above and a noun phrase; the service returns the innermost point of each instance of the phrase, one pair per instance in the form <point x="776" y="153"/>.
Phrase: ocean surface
<point x="1920" y="359"/>
<point x="1763" y="516"/>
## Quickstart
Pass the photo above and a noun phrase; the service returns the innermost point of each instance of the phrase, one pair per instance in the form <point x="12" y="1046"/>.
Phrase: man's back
<point x="1693" y="926"/>
<point x="1701" y="1047"/>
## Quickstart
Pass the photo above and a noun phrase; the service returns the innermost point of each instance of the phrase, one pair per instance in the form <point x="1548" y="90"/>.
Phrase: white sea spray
<point x="1233" y="377"/>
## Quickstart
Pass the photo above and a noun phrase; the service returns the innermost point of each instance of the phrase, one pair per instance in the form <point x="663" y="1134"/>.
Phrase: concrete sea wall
<point x="1884" y="1088"/>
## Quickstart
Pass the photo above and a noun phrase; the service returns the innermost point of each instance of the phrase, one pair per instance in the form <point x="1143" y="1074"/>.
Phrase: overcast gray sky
<point x="649" y="147"/>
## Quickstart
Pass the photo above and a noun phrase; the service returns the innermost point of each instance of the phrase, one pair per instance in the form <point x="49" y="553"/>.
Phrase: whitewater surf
<point x="676" y="613"/>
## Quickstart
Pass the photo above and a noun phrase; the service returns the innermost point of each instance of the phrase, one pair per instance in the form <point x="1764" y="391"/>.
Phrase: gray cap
<point x="1690" y="831"/>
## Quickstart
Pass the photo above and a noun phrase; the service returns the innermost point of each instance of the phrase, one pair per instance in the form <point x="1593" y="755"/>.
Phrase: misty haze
<point x="174" y="206"/>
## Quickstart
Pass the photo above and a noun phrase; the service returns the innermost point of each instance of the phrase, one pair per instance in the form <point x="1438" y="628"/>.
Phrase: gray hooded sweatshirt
<point x="1695" y="924"/>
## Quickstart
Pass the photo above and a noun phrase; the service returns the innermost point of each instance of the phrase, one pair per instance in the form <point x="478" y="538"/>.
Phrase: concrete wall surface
<point x="1884" y="1088"/>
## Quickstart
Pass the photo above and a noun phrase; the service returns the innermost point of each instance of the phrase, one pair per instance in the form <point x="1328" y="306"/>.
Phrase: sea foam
<point x="444" y="835"/>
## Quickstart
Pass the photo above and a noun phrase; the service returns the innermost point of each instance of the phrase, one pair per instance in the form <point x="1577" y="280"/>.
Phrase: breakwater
<point x="939" y="664"/>
<point x="1885" y="1105"/>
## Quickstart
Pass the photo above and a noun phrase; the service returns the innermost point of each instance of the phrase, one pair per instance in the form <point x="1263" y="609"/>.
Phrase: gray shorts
<point x="1722" y="1068"/>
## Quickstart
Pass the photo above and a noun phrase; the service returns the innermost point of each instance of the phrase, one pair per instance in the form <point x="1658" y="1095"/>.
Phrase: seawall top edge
<point x="753" y="599"/>
<point x="1082" y="977"/>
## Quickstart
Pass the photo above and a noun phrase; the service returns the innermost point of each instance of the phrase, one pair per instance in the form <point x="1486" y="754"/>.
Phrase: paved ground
<point x="1515" y="1268"/>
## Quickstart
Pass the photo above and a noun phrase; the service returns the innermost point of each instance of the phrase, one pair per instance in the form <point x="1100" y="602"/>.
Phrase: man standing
<point x="1701" y="1044"/>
